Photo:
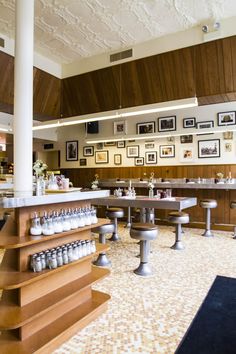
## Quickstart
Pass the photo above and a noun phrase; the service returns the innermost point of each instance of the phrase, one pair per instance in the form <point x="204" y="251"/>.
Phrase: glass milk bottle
<point x="36" y="228"/>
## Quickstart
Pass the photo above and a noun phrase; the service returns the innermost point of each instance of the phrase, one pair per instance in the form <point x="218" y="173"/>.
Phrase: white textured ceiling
<point x="69" y="30"/>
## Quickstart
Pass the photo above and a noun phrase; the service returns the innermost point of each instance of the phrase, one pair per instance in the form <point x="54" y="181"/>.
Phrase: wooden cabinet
<point x="39" y="311"/>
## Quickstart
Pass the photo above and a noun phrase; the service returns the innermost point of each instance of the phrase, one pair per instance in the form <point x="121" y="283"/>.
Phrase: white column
<point x="23" y="97"/>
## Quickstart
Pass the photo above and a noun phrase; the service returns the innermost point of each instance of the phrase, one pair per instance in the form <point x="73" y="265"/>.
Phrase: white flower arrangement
<point x="94" y="184"/>
<point x="150" y="182"/>
<point x="39" y="167"/>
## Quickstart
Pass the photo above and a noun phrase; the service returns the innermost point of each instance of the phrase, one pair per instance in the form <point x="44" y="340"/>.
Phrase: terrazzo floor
<point x="151" y="315"/>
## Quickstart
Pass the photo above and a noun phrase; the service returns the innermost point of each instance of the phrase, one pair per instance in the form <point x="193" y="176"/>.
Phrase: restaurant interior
<point x="129" y="110"/>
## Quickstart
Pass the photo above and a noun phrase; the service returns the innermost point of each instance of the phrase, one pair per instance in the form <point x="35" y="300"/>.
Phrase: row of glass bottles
<point x="65" y="220"/>
<point x="56" y="257"/>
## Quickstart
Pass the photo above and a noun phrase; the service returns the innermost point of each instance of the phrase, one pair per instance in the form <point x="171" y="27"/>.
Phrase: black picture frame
<point x="83" y="162"/>
<point x="189" y="122"/>
<point x="72" y="150"/>
<point x="209" y="148"/>
<point x="151" y="157"/>
<point x="139" y="161"/>
<point x="101" y="156"/>
<point x="167" y="151"/>
<point x="166" y="123"/>
<point x="205" y="125"/>
<point x="226" y="118"/>
<point x="132" y="151"/>
<point x="186" y="139"/>
<point x="88" y="151"/>
<point x="120" y="144"/>
<point x="145" y="128"/>
<point x="117" y="159"/>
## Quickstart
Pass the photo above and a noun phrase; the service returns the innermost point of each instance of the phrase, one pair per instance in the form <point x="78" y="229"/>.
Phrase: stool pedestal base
<point x="178" y="246"/>
<point x="102" y="261"/>
<point x="207" y="233"/>
<point x="143" y="269"/>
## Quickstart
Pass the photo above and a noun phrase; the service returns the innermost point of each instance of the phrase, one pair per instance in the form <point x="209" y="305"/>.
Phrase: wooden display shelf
<point x="48" y="338"/>
<point x="9" y="240"/>
<point x="10" y="280"/>
<point x="13" y="316"/>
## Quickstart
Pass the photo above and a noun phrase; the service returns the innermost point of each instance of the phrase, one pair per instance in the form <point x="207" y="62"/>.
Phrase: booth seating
<point x="178" y="218"/>
<point x="233" y="206"/>
<point x="102" y="260"/>
<point x="114" y="214"/>
<point x="208" y="204"/>
<point x="144" y="232"/>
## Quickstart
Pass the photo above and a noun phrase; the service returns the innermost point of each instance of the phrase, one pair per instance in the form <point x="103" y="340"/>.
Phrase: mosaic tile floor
<point x="151" y="315"/>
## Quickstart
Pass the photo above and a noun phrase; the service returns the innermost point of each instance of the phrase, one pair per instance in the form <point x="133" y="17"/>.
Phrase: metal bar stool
<point x="233" y="206"/>
<point x="102" y="260"/>
<point x="178" y="218"/>
<point x="128" y="224"/>
<point x="145" y="233"/>
<point x="114" y="214"/>
<point x="208" y="204"/>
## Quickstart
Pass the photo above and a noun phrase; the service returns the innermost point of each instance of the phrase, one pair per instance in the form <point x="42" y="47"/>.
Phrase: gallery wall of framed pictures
<point x="177" y="143"/>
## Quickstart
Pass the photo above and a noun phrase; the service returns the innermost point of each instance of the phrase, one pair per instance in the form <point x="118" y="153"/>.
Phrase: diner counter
<point x="17" y="202"/>
<point x="170" y="183"/>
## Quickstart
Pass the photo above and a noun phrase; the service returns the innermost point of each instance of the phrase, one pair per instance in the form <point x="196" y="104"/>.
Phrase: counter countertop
<point x="17" y="202"/>
<point x="168" y="184"/>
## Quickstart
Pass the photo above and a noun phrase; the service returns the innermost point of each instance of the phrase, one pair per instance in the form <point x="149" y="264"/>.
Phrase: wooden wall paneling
<point x="47" y="95"/>
<point x="7" y="82"/>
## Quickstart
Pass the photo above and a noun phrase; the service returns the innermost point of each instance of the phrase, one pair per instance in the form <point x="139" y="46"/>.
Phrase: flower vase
<point x="151" y="193"/>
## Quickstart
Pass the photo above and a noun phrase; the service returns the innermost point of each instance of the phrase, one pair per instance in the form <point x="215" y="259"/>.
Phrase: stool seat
<point x="208" y="203"/>
<point x="233" y="204"/>
<point x="115" y="212"/>
<point x="104" y="229"/>
<point x="178" y="217"/>
<point x="142" y="231"/>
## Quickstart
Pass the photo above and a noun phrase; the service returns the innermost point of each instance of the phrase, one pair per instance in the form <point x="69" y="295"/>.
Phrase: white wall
<point x="203" y="113"/>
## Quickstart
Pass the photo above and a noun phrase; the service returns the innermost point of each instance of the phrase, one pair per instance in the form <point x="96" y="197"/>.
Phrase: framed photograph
<point x="88" y="151"/>
<point x="186" y="154"/>
<point x="146" y="128"/>
<point x="228" y="147"/>
<point x="205" y="125"/>
<point x="72" y="150"/>
<point x="150" y="157"/>
<point x="101" y="156"/>
<point x="209" y="148"/>
<point x="83" y="162"/>
<point x="133" y="151"/>
<point x="226" y="118"/>
<point x="139" y="161"/>
<point x="167" y="151"/>
<point x="228" y="135"/>
<point x="189" y="122"/>
<point x="120" y="127"/>
<point x="184" y="139"/>
<point x="117" y="159"/>
<point x="120" y="144"/>
<point x="99" y="146"/>
<point x="166" y="124"/>
<point x="110" y="143"/>
<point x="149" y="145"/>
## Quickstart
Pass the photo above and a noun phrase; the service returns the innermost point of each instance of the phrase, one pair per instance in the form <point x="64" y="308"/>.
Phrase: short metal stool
<point x="114" y="214"/>
<point x="178" y="218"/>
<point x="145" y="233"/>
<point x="233" y="206"/>
<point x="208" y="204"/>
<point x="102" y="260"/>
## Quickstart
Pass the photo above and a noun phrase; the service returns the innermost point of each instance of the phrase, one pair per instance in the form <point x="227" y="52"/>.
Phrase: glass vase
<point x="151" y="193"/>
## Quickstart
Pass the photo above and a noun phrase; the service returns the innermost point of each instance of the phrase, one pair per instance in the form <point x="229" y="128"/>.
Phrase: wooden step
<point x="9" y="239"/>
<point x="50" y="337"/>
<point x="13" y="316"/>
<point x="12" y="280"/>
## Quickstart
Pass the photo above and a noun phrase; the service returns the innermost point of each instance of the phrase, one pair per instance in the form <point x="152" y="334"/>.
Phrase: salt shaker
<point x="36" y="228"/>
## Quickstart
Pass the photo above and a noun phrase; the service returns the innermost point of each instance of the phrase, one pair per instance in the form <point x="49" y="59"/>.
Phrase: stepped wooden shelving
<point x="39" y="311"/>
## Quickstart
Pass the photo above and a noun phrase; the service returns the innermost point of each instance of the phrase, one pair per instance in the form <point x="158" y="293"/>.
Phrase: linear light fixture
<point x="159" y="135"/>
<point x="122" y="113"/>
